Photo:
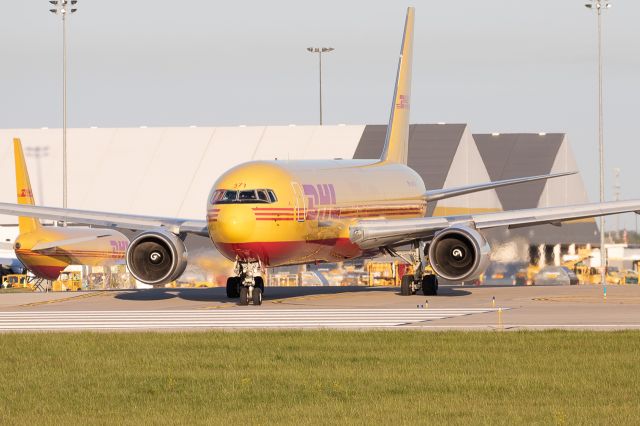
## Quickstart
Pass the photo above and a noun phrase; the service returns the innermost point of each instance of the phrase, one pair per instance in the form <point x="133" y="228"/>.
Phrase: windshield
<point x="247" y="196"/>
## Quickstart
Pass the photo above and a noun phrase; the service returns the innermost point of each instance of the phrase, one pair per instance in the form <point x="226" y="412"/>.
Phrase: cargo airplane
<point x="263" y="214"/>
<point x="47" y="251"/>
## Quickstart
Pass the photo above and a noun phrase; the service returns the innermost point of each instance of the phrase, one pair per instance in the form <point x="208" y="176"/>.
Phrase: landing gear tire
<point x="244" y="296"/>
<point x="406" y="285"/>
<point x="259" y="283"/>
<point x="257" y="296"/>
<point x="430" y="285"/>
<point x="233" y="287"/>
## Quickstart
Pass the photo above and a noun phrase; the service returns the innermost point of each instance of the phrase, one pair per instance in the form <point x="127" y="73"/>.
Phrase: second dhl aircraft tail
<point x="23" y="188"/>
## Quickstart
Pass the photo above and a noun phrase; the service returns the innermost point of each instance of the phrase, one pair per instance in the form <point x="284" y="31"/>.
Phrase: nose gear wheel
<point x="247" y="284"/>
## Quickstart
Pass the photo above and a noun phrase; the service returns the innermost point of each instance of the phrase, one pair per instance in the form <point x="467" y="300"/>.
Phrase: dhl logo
<point x="317" y="195"/>
<point x="26" y="192"/>
<point x="118" y="246"/>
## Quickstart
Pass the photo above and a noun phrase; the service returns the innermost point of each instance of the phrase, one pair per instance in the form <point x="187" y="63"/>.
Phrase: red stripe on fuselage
<point x="277" y="253"/>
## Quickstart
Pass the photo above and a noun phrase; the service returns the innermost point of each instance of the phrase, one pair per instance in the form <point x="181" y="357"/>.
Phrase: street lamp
<point x="320" y="51"/>
<point x="598" y="5"/>
<point x="64" y="8"/>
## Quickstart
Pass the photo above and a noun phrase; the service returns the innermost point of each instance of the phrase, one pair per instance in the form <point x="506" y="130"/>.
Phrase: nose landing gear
<point x="247" y="285"/>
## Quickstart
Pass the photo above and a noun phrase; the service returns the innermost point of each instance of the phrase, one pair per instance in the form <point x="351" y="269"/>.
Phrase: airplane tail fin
<point x="397" y="141"/>
<point x="24" y="191"/>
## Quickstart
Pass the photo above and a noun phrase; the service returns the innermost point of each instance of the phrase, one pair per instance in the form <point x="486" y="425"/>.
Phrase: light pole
<point x="64" y="8"/>
<point x="598" y="5"/>
<point x="616" y="197"/>
<point x="320" y="51"/>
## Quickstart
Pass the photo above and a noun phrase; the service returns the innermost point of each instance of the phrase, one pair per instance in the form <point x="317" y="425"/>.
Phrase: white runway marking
<point x="251" y="318"/>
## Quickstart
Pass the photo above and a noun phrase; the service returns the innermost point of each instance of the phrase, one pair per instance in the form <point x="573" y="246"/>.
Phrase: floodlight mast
<point x="599" y="5"/>
<point x="64" y="8"/>
<point x="320" y="51"/>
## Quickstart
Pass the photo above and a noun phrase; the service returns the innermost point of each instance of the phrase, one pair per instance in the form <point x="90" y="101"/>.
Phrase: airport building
<point x="169" y="171"/>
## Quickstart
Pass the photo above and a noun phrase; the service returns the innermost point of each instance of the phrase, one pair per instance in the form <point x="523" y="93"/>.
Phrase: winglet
<point x="23" y="188"/>
<point x="397" y="140"/>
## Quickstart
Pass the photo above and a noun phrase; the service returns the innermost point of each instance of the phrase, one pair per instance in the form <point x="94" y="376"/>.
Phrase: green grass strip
<point x="321" y="377"/>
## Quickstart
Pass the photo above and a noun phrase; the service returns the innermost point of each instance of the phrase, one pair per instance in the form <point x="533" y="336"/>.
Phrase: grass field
<point x="320" y="377"/>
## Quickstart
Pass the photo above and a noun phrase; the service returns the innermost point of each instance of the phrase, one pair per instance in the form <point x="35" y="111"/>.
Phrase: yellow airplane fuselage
<point x="107" y="250"/>
<point x="315" y="203"/>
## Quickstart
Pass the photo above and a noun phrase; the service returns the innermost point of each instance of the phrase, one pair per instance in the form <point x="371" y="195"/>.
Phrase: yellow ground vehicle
<point x="383" y="273"/>
<point x="15" y="281"/>
<point x="526" y="276"/>
<point x="68" y="281"/>
<point x="389" y="273"/>
<point x="591" y="275"/>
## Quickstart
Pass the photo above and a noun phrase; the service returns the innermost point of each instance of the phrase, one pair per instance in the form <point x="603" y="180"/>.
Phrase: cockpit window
<point x="248" y="196"/>
<point x="229" y="196"/>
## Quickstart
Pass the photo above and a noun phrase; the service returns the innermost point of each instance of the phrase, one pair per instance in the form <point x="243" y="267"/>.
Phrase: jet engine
<point x="156" y="257"/>
<point x="459" y="253"/>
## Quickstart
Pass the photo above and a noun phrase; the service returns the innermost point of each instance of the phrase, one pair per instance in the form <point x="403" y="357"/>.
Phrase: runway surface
<point x="249" y="319"/>
<point x="455" y="308"/>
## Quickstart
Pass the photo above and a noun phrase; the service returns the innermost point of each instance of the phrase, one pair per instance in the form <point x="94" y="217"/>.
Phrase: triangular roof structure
<point x="467" y="168"/>
<point x="508" y="156"/>
<point x="526" y="154"/>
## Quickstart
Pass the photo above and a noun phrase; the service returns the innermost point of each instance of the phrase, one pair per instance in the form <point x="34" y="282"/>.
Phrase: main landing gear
<point x="428" y="284"/>
<point x="247" y="284"/>
<point x="411" y="284"/>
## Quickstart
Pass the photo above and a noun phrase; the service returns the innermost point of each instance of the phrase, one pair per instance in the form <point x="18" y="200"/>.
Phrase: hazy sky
<point x="500" y="65"/>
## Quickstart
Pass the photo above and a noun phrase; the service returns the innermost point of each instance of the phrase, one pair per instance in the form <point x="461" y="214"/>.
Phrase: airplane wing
<point x="111" y="220"/>
<point x="369" y="234"/>
<point x="440" y="194"/>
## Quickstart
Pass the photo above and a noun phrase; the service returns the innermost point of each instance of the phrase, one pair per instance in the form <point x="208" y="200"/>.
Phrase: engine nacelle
<point x="459" y="253"/>
<point x="156" y="257"/>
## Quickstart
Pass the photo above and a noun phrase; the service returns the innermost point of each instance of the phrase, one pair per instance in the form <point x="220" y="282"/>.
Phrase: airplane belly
<point x="283" y="253"/>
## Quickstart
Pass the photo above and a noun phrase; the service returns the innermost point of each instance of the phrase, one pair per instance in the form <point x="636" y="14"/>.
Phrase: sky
<point x="500" y="66"/>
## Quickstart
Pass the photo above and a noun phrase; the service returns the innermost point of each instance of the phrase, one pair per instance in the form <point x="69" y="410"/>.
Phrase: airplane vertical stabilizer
<point x="24" y="191"/>
<point x="397" y="140"/>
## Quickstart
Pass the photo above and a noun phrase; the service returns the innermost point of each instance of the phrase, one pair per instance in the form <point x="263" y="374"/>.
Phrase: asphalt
<point x="455" y="308"/>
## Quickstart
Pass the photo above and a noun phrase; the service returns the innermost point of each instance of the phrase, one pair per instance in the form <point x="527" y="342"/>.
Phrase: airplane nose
<point x="234" y="224"/>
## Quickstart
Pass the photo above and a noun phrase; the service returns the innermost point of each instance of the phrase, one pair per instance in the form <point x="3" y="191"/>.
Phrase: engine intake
<point x="459" y="253"/>
<point x="156" y="257"/>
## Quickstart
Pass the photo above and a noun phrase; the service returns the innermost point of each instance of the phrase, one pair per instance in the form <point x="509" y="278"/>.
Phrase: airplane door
<point x="300" y="205"/>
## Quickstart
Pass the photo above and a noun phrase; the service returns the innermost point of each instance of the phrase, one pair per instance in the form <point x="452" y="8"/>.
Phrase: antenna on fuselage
<point x="397" y="140"/>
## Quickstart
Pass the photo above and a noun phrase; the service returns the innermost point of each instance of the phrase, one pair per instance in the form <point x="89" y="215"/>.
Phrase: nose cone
<point x="232" y="224"/>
